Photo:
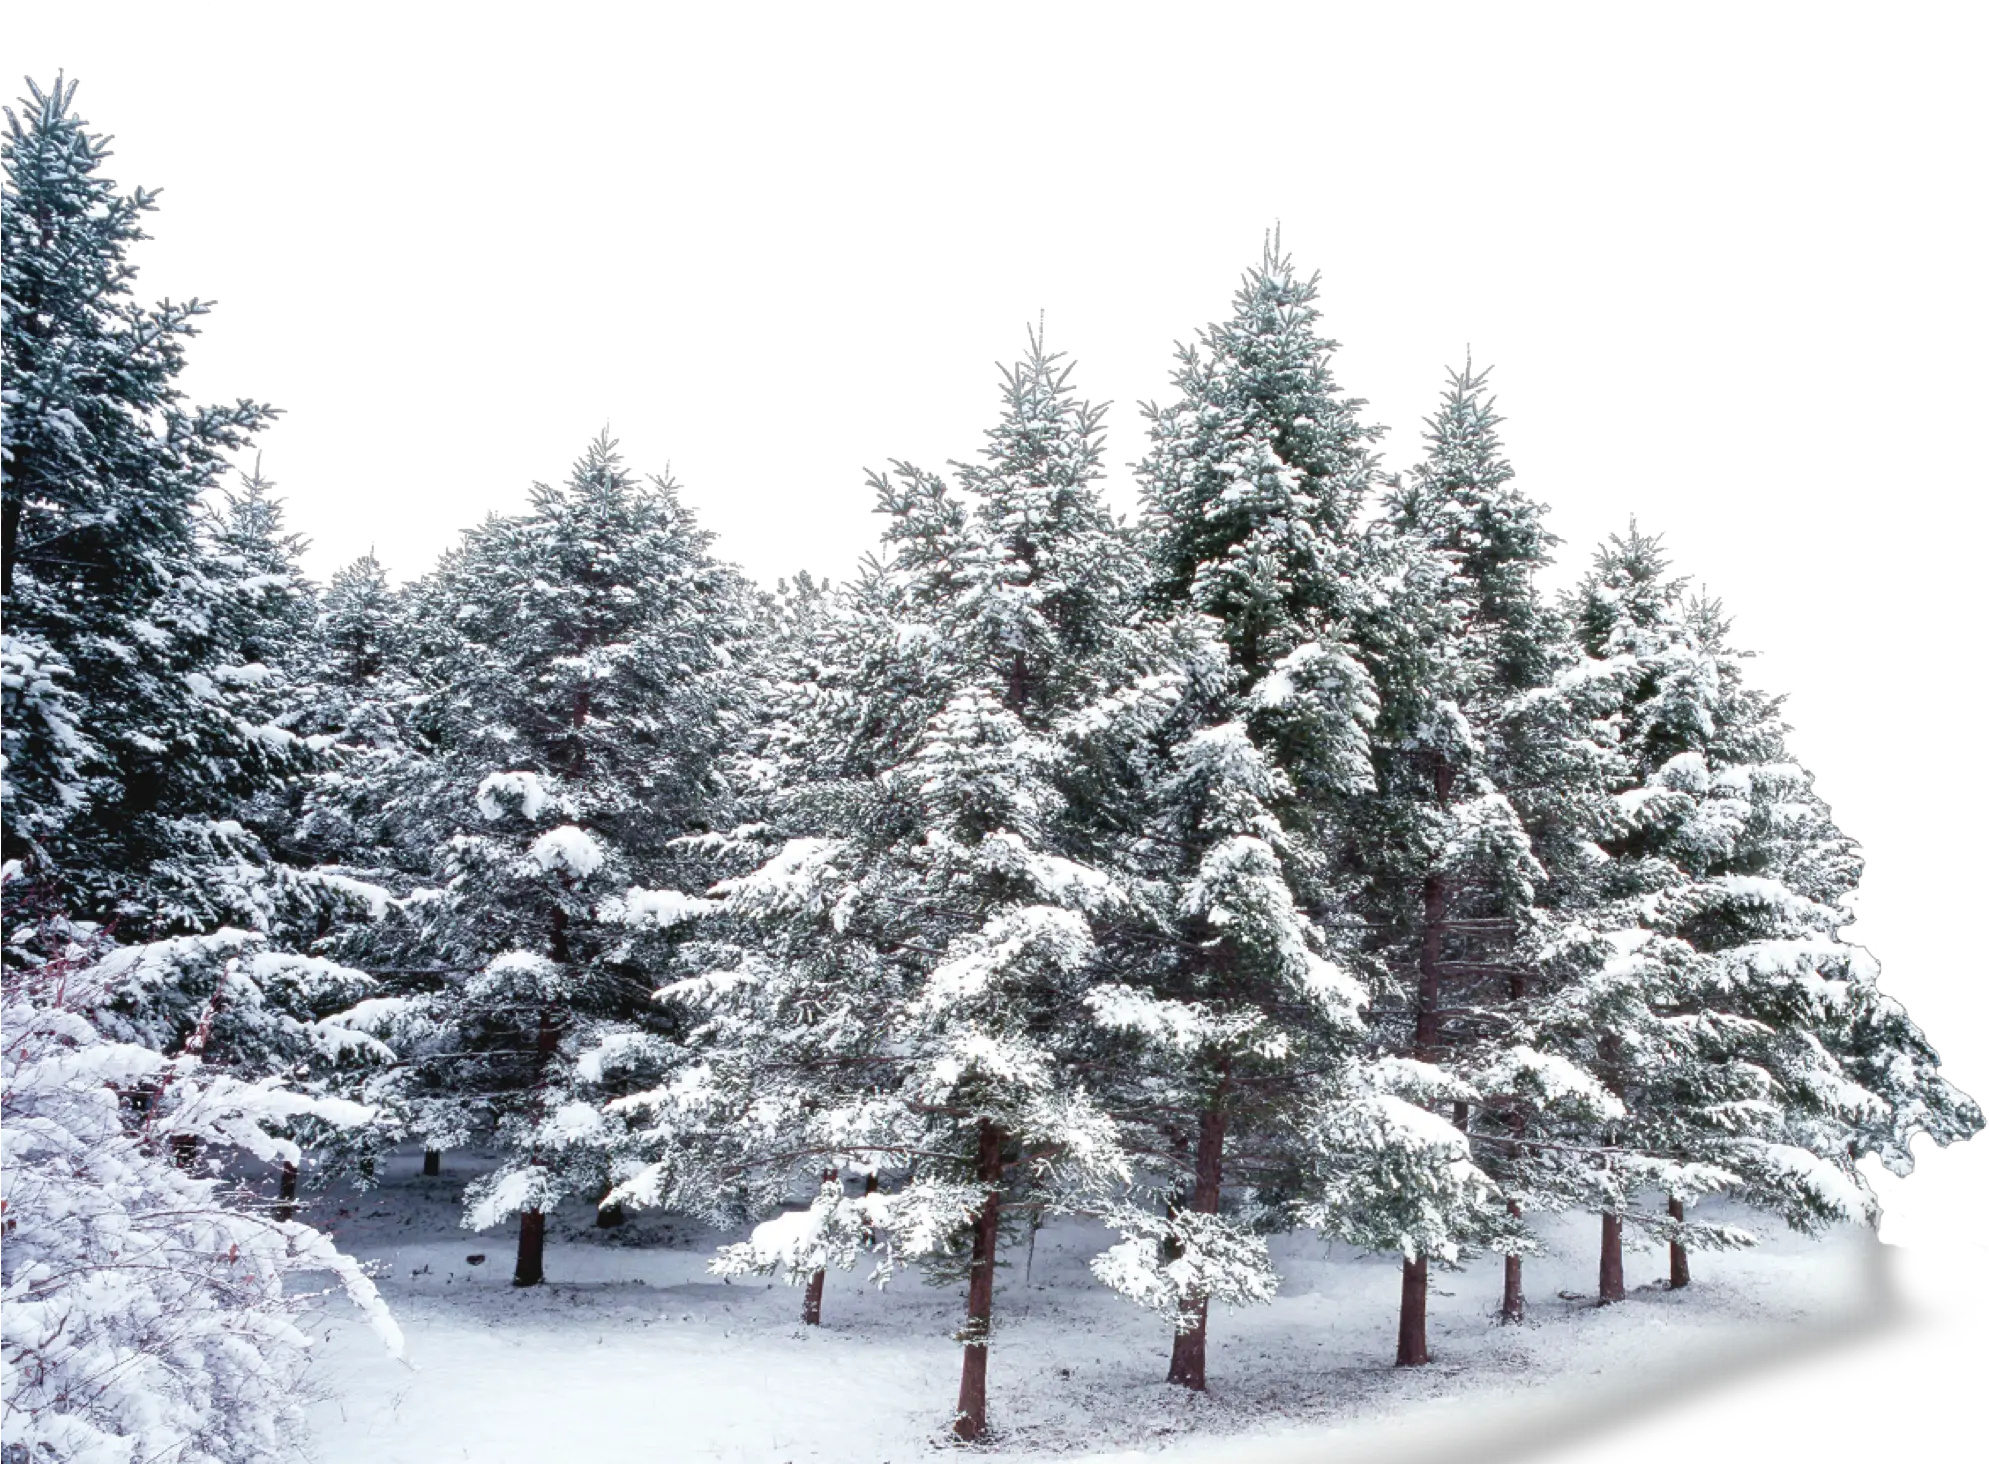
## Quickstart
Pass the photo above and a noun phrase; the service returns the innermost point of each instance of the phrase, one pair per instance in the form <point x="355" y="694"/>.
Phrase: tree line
<point x="1284" y="859"/>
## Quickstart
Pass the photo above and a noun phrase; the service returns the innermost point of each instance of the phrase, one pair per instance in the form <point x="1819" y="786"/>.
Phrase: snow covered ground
<point x="631" y="1345"/>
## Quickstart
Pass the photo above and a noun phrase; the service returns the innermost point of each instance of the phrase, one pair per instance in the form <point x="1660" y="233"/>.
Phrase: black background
<point x="1723" y="295"/>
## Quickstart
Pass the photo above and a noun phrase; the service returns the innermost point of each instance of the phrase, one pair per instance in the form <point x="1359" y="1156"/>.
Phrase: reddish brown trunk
<point x="1610" y="1284"/>
<point x="1512" y="1307"/>
<point x="431" y="1163"/>
<point x="1429" y="970"/>
<point x="811" y="1300"/>
<point x="970" y="1419"/>
<point x="531" y="1267"/>
<point x="10" y="538"/>
<point x="1681" y="1269"/>
<point x="286" y="1192"/>
<point x="1189" y="1366"/>
<point x="1412" y="1338"/>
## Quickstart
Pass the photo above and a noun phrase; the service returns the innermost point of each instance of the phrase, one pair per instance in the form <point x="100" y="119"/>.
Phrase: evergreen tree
<point x="1769" y="1061"/>
<point x="130" y="726"/>
<point x="1240" y="755"/>
<point x="584" y="686"/>
<point x="911" y="959"/>
<point x="151" y="1310"/>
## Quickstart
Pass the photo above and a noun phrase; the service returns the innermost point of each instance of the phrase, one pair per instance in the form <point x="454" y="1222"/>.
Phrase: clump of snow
<point x="661" y="909"/>
<point x="568" y="848"/>
<point x="503" y="794"/>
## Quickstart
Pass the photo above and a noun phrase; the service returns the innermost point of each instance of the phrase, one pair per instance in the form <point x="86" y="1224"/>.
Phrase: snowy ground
<point x="632" y="1346"/>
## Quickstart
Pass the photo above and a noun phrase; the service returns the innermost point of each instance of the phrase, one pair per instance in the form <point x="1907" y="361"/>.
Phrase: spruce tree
<point x="1239" y="754"/>
<point x="584" y="686"/>
<point x="129" y="725"/>
<point x="1770" y="1062"/>
<point x="912" y="955"/>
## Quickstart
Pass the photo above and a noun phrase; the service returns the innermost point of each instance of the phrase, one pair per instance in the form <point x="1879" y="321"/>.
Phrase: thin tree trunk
<point x="970" y="1419"/>
<point x="1512" y="1307"/>
<point x="1189" y="1366"/>
<point x="286" y="1192"/>
<point x="1412" y="1338"/>
<point x="811" y="1300"/>
<point x="1610" y="1284"/>
<point x="431" y="1163"/>
<point x="531" y="1267"/>
<point x="10" y="538"/>
<point x="1681" y="1268"/>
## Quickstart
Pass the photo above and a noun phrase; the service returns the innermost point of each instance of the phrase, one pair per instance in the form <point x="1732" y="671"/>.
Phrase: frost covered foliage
<point x="1257" y="471"/>
<point x="147" y="1311"/>
<point x="1749" y="1041"/>
<point x="896" y="990"/>
<point x="580" y="669"/>
<point x="136" y="713"/>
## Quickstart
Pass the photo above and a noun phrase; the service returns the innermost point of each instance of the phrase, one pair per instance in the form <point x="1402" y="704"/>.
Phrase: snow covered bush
<point x="147" y="1311"/>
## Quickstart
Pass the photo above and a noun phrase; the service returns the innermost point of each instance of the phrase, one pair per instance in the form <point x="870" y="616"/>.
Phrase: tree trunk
<point x="970" y="1419"/>
<point x="1189" y="1366"/>
<point x="286" y="1192"/>
<point x="1681" y="1269"/>
<point x="1610" y="1284"/>
<point x="1412" y="1341"/>
<point x="431" y="1163"/>
<point x="10" y="537"/>
<point x="811" y="1300"/>
<point x="1512" y="1307"/>
<point x="531" y="1267"/>
<point x="1412" y="1338"/>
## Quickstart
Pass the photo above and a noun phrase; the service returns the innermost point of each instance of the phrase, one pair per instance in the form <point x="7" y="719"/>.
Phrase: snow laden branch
<point x="148" y="1311"/>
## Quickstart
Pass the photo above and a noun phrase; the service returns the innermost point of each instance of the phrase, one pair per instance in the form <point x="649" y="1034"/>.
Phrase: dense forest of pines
<point x="1284" y="859"/>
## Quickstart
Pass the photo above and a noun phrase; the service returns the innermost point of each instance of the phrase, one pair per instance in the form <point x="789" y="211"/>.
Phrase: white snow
<point x="568" y="848"/>
<point x="642" y="1342"/>
<point x="662" y="908"/>
<point x="525" y="790"/>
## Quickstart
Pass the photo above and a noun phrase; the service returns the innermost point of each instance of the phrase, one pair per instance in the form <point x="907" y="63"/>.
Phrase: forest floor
<point x="631" y="1349"/>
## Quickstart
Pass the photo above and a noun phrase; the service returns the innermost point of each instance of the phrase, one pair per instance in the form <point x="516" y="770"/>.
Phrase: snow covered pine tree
<point x="583" y="678"/>
<point x="129" y="728"/>
<point x="1245" y="744"/>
